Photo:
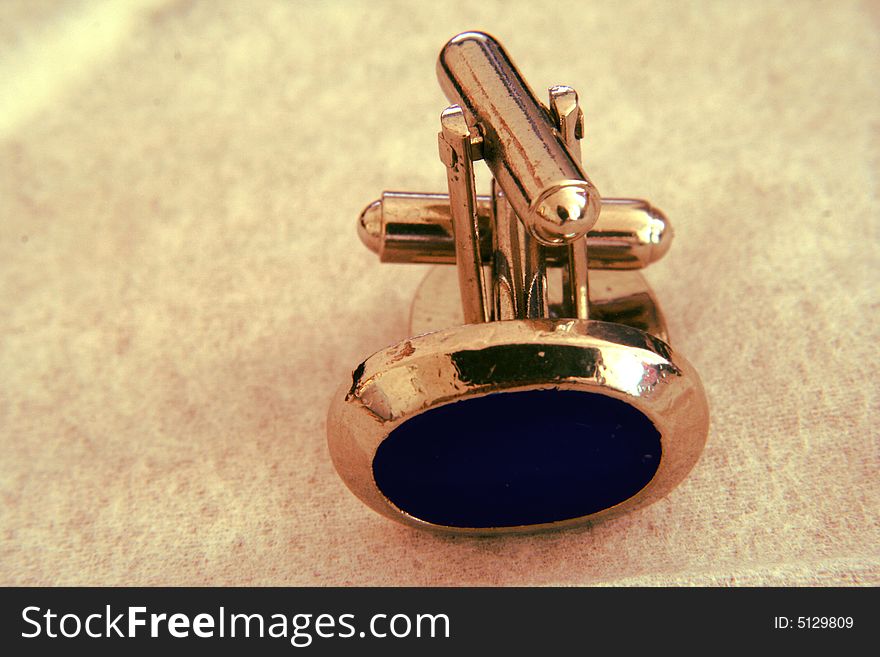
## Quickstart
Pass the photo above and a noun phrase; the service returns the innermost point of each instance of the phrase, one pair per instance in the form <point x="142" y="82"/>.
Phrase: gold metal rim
<point x="398" y="383"/>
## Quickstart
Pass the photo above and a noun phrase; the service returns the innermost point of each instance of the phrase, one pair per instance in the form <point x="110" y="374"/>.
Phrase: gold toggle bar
<point x="541" y="179"/>
<point x="409" y="227"/>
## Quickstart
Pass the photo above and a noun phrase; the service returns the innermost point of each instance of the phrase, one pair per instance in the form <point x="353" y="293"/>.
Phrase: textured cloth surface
<point x="182" y="288"/>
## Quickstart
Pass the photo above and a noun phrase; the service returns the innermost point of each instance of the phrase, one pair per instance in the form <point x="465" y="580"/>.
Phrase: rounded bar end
<point x="370" y="226"/>
<point x="565" y="212"/>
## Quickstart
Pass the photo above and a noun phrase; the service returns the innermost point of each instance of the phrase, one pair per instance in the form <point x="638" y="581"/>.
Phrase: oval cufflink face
<point x="518" y="425"/>
<point x="517" y="458"/>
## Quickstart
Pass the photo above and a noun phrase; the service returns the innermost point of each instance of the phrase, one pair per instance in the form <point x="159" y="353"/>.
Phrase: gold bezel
<point x="420" y="373"/>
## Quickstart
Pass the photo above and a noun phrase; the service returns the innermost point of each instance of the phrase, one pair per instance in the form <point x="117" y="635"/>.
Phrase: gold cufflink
<point x="555" y="398"/>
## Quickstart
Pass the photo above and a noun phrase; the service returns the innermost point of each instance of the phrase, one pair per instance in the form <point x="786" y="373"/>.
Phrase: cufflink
<point x="544" y="394"/>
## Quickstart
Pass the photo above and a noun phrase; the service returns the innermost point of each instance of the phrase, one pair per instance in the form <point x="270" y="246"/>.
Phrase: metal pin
<point x="455" y="151"/>
<point x="575" y="279"/>
<point x="537" y="304"/>
<point x="507" y="275"/>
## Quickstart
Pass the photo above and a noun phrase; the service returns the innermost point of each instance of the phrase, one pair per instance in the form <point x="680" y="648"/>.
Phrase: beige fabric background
<point x="182" y="288"/>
